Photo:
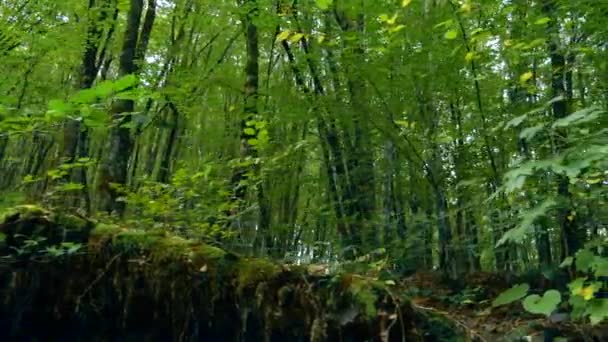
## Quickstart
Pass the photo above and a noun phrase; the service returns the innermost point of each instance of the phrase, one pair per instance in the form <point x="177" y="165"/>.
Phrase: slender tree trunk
<point x="114" y="168"/>
<point x="331" y="146"/>
<point x="249" y="132"/>
<point x="3" y="145"/>
<point x="41" y="147"/>
<point x="360" y="161"/>
<point x="75" y="135"/>
<point x="561" y="87"/>
<point x="165" y="167"/>
<point x="422" y="227"/>
<point x="466" y="253"/>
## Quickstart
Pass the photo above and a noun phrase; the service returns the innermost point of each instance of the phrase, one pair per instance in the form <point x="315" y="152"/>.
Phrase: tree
<point x="459" y="135"/>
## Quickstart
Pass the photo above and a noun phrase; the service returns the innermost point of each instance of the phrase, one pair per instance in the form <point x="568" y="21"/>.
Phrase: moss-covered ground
<point x="63" y="277"/>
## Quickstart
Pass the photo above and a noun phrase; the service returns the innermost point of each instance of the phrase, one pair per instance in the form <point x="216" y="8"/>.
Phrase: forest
<point x="304" y="170"/>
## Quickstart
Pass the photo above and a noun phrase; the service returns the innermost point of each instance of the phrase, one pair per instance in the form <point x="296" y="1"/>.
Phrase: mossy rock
<point x="29" y="229"/>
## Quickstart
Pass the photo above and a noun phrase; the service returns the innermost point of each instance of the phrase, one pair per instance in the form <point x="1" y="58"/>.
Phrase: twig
<point x="471" y="332"/>
<point x="97" y="280"/>
<point x="399" y="313"/>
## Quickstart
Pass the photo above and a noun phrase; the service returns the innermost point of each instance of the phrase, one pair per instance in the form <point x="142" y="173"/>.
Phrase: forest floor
<point x="469" y="306"/>
<point x="60" y="271"/>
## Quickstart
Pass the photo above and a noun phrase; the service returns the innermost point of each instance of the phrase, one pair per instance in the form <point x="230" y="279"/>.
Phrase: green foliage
<point x="403" y="135"/>
<point x="258" y="133"/>
<point x="364" y="294"/>
<point x="542" y="305"/>
<point x="469" y="297"/>
<point x="9" y="200"/>
<point x="582" y="116"/>
<point x="85" y="104"/>
<point x="585" y="156"/>
<point x="585" y="296"/>
<point x="513" y="294"/>
<point x="324" y="4"/>
<point x="528" y="218"/>
<point x="192" y="205"/>
<point x="64" y="249"/>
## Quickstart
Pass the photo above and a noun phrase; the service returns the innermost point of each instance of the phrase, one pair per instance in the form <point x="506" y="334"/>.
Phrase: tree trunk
<point x="165" y="168"/>
<point x="560" y="107"/>
<point x="240" y="178"/>
<point x="3" y="145"/>
<point x="75" y="136"/>
<point x="466" y="253"/>
<point x="360" y="161"/>
<point x="114" y="168"/>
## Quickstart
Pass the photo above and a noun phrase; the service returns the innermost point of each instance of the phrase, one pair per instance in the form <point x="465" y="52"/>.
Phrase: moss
<point x="253" y="271"/>
<point x="31" y="222"/>
<point x="104" y="230"/>
<point x="102" y="234"/>
<point x="185" y="285"/>
<point x="75" y="228"/>
<point x="202" y="253"/>
<point x="136" y="240"/>
<point x="171" y="249"/>
<point x="26" y="211"/>
<point x="352" y="290"/>
<point x="72" y="222"/>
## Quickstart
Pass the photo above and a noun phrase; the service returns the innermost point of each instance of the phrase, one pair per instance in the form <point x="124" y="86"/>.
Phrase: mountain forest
<point x="304" y="170"/>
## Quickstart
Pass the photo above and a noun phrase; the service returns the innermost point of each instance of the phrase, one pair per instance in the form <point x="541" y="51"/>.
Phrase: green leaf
<point x="446" y="23"/>
<point x="71" y="247"/>
<point x="598" y="310"/>
<point x="283" y="36"/>
<point x="511" y="295"/>
<point x="516" y="121"/>
<point x="104" y="89"/>
<point x="404" y="123"/>
<point x="567" y="262"/>
<point x="263" y="136"/>
<point x="578" y="305"/>
<point x="600" y="267"/>
<point x="528" y="218"/>
<point x="576" y="284"/>
<point x="59" y="108"/>
<point x="123" y="5"/>
<point x="56" y="173"/>
<point x="451" y="34"/>
<point x="544" y="305"/>
<point x="584" y="260"/>
<point x="542" y="21"/>
<point x="249" y="131"/>
<point x="296" y="37"/>
<point x="260" y="124"/>
<point x="31" y="179"/>
<point x="324" y="4"/>
<point x="84" y="96"/>
<point x="129" y="95"/>
<point x="95" y="118"/>
<point x="69" y="187"/>
<point x="579" y="117"/>
<point x="536" y="43"/>
<point x="396" y="29"/>
<point x="530" y="132"/>
<point x="125" y="82"/>
<point x="525" y="77"/>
